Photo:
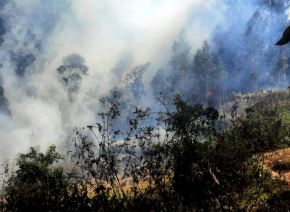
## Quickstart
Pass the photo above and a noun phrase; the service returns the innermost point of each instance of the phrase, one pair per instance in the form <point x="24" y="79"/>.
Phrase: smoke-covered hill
<point x="240" y="55"/>
<point x="59" y="58"/>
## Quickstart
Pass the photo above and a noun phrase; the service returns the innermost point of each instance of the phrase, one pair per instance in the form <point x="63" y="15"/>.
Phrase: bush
<point x="175" y="161"/>
<point x="36" y="185"/>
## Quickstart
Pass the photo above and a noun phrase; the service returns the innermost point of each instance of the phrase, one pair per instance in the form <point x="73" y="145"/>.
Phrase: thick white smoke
<point x="106" y="33"/>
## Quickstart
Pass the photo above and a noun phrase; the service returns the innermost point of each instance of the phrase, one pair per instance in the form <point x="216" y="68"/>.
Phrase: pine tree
<point x="203" y="70"/>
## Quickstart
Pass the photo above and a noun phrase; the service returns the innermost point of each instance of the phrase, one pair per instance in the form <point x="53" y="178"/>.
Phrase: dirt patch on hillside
<point x="279" y="164"/>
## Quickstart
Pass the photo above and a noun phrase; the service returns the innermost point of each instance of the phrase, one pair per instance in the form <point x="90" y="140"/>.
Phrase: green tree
<point x="36" y="185"/>
<point x="71" y="73"/>
<point x="181" y="57"/>
<point x="205" y="70"/>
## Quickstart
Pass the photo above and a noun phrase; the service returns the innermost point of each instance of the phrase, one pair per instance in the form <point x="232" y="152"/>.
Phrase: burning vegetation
<point x="186" y="157"/>
<point x="208" y="130"/>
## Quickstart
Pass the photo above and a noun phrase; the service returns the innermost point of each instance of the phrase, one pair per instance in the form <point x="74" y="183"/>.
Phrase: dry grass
<point x="278" y="157"/>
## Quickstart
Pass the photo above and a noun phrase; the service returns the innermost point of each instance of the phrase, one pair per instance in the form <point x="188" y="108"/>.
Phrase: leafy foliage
<point x="168" y="161"/>
<point x="71" y="72"/>
<point x="36" y="185"/>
